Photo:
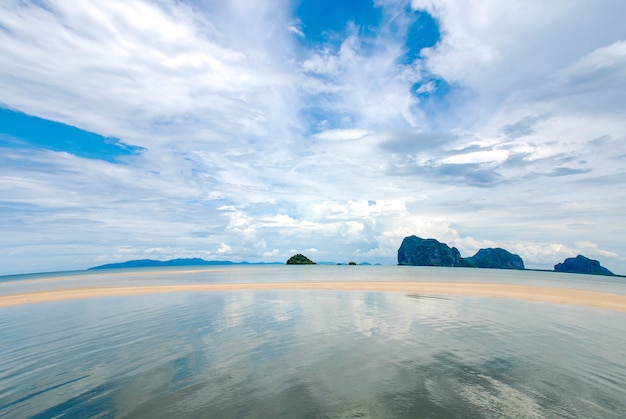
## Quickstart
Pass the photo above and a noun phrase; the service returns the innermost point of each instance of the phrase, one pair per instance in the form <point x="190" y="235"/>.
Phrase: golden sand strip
<point x="595" y="299"/>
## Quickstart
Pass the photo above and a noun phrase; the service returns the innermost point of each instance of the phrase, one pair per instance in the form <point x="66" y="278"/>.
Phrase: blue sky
<point x="254" y="130"/>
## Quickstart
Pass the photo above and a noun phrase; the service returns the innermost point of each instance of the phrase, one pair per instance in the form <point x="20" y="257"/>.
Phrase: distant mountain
<point x="582" y="265"/>
<point x="148" y="263"/>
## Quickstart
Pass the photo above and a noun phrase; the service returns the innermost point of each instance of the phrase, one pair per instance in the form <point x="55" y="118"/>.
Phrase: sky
<point x="250" y="131"/>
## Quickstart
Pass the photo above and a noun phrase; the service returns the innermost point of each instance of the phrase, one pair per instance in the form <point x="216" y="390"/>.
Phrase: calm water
<point x="310" y="353"/>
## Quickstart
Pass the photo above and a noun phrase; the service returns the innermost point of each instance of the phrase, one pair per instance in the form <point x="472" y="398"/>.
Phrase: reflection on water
<point x="310" y="354"/>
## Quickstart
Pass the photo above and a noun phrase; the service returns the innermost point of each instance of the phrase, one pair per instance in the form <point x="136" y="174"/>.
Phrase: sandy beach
<point x="608" y="301"/>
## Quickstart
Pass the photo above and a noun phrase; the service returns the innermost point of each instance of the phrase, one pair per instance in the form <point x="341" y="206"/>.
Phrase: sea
<point x="309" y="354"/>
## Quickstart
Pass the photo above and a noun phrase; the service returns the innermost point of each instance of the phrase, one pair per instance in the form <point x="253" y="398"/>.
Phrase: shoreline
<point x="585" y="298"/>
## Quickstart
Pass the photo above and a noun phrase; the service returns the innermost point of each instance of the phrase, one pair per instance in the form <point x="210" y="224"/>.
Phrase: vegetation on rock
<point x="582" y="265"/>
<point x="494" y="258"/>
<point x="416" y="251"/>
<point x="300" y="259"/>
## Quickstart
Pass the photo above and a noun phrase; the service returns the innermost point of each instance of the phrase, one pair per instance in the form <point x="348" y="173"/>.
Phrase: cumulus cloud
<point x="258" y="138"/>
<point x="224" y="249"/>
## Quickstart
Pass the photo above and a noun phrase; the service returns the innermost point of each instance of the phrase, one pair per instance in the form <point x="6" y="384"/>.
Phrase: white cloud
<point x="272" y="254"/>
<point x="322" y="63"/>
<point x="341" y="134"/>
<point x="224" y="249"/>
<point x="592" y="249"/>
<point x="428" y="87"/>
<point x="164" y="65"/>
<point x="495" y="156"/>
<point x="296" y="28"/>
<point x="368" y="87"/>
<point x="509" y="132"/>
<point x="610" y="57"/>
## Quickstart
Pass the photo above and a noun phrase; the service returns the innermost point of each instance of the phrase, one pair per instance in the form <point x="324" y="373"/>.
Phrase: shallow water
<point x="310" y="353"/>
<point x="284" y="273"/>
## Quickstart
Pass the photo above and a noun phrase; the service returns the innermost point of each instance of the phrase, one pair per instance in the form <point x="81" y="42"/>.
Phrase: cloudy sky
<point x="252" y="130"/>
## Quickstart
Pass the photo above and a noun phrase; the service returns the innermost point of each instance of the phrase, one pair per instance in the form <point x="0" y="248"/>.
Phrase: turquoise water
<point x="310" y="353"/>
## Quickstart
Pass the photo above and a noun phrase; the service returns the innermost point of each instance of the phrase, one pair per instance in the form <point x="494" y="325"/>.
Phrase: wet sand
<point x="608" y="301"/>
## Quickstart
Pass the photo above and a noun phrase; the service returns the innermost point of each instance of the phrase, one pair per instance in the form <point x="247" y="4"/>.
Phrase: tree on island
<point x="300" y="259"/>
<point x="352" y="263"/>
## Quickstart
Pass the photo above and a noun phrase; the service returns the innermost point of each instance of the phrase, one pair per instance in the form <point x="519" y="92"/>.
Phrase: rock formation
<point x="300" y="259"/>
<point x="416" y="251"/>
<point x="582" y="265"/>
<point x="494" y="258"/>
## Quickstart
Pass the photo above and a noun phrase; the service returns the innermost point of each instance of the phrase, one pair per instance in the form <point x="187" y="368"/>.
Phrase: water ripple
<point x="310" y="354"/>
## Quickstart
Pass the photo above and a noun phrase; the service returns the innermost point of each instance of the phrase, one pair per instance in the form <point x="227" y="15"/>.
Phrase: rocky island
<point x="416" y="251"/>
<point x="494" y="258"/>
<point x="582" y="265"/>
<point x="300" y="259"/>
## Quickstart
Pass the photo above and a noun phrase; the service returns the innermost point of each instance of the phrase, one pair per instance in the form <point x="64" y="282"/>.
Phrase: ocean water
<point x="310" y="354"/>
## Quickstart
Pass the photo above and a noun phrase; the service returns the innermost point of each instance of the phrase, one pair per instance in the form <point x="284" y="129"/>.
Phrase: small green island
<point x="300" y="259"/>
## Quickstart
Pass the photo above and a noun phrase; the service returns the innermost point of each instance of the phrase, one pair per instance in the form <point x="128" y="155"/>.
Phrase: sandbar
<point x="602" y="300"/>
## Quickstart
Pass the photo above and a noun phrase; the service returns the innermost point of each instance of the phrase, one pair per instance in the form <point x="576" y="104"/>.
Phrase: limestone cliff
<point x="416" y="251"/>
<point x="494" y="258"/>
<point x="582" y="265"/>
